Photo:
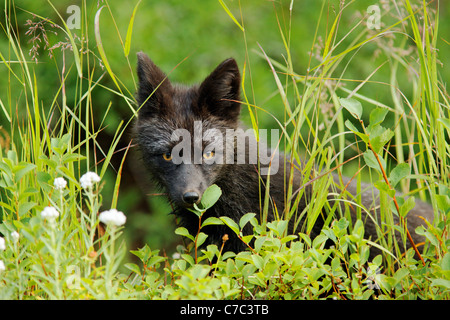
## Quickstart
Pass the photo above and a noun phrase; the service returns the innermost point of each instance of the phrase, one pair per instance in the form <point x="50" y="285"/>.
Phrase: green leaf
<point x="291" y="237"/>
<point x="49" y="162"/>
<point x="407" y="206"/>
<point x="432" y="238"/>
<point x="364" y="137"/>
<point x="245" y="219"/>
<point x="133" y="267"/>
<point x="201" y="238"/>
<point x="319" y="240"/>
<point x="258" y="261"/>
<point x="70" y="157"/>
<point x="377" y="116"/>
<point x="441" y="283"/>
<point x="350" y="125"/>
<point x="6" y="206"/>
<point x="443" y="202"/>
<point x="247" y="239"/>
<point x="212" y="221"/>
<point x="358" y="229"/>
<point x="382" y="137"/>
<point x="200" y="271"/>
<point x="278" y="227"/>
<point x="12" y="156"/>
<point x="378" y="260"/>
<point x="43" y="178"/>
<point x="25" y="194"/>
<point x="188" y="258"/>
<point x="231" y="224"/>
<point x="198" y="211"/>
<point x="143" y="253"/>
<point x="400" y="274"/>
<point x="353" y="106"/>
<point x="401" y="171"/>
<point x="6" y="170"/>
<point x="182" y="231"/>
<point x="25" y="207"/>
<point x="282" y="226"/>
<point x="154" y="260"/>
<point x="259" y="242"/>
<point x="372" y="162"/>
<point x="210" y="196"/>
<point x="445" y="262"/>
<point x="230" y="267"/>
<point x="22" y="169"/>
<point x="383" y="186"/>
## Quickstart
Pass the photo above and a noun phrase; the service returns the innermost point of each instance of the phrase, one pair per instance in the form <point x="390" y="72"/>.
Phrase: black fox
<point x="213" y="107"/>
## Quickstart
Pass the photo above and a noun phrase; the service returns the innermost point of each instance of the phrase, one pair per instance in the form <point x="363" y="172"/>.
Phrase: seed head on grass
<point x="113" y="217"/>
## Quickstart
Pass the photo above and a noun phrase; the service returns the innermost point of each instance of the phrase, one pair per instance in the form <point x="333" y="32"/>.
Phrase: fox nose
<point x="191" y="197"/>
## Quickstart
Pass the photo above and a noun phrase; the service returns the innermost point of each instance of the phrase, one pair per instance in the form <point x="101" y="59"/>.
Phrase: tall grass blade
<point x="225" y="7"/>
<point x="101" y="51"/>
<point x="127" y="46"/>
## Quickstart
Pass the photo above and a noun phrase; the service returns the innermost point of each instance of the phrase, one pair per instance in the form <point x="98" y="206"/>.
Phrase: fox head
<point x="169" y="114"/>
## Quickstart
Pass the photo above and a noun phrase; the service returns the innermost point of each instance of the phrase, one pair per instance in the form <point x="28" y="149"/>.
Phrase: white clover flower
<point x="113" y="217"/>
<point x="15" y="236"/>
<point x="88" y="179"/>
<point x="49" y="213"/>
<point x="59" y="183"/>
<point x="2" y="266"/>
<point x="2" y="244"/>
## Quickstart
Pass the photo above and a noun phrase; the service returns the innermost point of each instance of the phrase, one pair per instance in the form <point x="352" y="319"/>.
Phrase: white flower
<point x="59" y="183"/>
<point x="2" y="266"/>
<point x="113" y="217"/>
<point x="2" y="244"/>
<point x="15" y="236"/>
<point x="88" y="179"/>
<point x="49" y="213"/>
<point x="176" y="256"/>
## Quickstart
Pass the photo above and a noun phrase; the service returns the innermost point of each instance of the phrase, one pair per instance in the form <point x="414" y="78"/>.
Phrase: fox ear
<point x="154" y="87"/>
<point x="220" y="91"/>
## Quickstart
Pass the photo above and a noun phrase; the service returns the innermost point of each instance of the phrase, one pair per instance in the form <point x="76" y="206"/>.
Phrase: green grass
<point x="323" y="94"/>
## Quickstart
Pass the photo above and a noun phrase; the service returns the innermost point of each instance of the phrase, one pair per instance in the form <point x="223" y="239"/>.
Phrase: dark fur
<point x="166" y="107"/>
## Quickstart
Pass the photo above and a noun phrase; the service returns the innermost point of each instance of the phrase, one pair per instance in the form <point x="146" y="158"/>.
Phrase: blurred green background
<point x="200" y="34"/>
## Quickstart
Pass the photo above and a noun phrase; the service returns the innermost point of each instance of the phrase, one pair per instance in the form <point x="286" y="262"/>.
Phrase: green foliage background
<point x="192" y="37"/>
<point x="187" y="39"/>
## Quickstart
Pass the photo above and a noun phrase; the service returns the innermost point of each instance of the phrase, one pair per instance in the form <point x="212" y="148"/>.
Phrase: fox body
<point x="168" y="111"/>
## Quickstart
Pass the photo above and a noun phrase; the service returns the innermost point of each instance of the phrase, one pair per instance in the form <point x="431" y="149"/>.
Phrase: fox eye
<point x="208" y="155"/>
<point x="167" y="156"/>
